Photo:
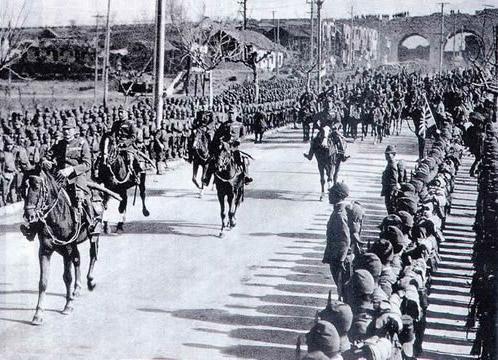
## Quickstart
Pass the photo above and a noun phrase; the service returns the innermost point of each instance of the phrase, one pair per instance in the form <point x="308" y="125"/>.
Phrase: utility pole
<point x="441" y="46"/>
<point x="105" y="69"/>
<point x="243" y="4"/>
<point x="352" y="37"/>
<point x="96" y="74"/>
<point x="274" y="28"/>
<point x="159" y="51"/>
<point x="454" y="37"/>
<point x="319" y="4"/>
<point x="278" y="42"/>
<point x="496" y="71"/>
<point x="312" y="7"/>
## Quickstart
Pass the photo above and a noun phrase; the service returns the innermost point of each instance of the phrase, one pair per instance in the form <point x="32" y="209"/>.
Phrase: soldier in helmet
<point x="343" y="229"/>
<point x="391" y="178"/>
<point x="71" y="158"/>
<point x="228" y="132"/>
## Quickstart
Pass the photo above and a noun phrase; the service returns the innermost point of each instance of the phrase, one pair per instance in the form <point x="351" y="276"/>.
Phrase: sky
<point x="63" y="12"/>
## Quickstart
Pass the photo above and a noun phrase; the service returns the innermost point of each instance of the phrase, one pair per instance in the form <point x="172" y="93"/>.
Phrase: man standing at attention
<point x="390" y="180"/>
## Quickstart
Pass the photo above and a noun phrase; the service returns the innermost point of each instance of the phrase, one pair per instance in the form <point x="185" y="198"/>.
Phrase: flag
<point x="427" y="120"/>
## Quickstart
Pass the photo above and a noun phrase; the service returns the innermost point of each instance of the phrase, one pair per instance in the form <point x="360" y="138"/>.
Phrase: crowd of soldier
<point x="383" y="287"/>
<point x="26" y="138"/>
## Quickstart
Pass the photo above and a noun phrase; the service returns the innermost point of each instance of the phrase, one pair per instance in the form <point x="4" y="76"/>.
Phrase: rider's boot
<point x="94" y="224"/>
<point x="247" y="180"/>
<point x="28" y="231"/>
<point x="209" y="173"/>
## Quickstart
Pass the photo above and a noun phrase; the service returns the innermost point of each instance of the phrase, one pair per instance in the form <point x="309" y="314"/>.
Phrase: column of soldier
<point x="383" y="287"/>
<point x="484" y="284"/>
<point x="25" y="138"/>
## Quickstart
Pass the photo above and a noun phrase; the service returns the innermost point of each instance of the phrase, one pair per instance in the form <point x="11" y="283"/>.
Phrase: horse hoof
<point x="145" y="212"/>
<point x="91" y="284"/>
<point x="77" y="292"/>
<point x="37" y="320"/>
<point x="222" y="234"/>
<point x="321" y="198"/>
<point x="68" y="309"/>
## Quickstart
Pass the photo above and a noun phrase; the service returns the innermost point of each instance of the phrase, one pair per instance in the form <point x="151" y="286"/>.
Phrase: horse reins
<point x="41" y="215"/>
<point x="128" y="174"/>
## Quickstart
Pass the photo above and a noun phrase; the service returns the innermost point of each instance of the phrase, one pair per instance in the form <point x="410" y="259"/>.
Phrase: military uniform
<point x="228" y="132"/>
<point x="390" y="182"/>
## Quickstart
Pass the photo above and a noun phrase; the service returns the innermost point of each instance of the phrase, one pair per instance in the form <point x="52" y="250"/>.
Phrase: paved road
<point x="171" y="289"/>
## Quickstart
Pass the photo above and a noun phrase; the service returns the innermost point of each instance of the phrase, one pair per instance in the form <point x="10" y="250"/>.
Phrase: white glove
<point x="66" y="171"/>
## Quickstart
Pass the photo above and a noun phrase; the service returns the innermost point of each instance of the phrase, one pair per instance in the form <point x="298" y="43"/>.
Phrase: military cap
<point x="324" y="337"/>
<point x="383" y="249"/>
<point x="69" y="123"/>
<point x="395" y="236"/>
<point x="340" y="189"/>
<point x="406" y="218"/>
<point x="370" y="262"/>
<point x="390" y="149"/>
<point x="362" y="283"/>
<point x="391" y="219"/>
<point x="476" y="116"/>
<point x="340" y="315"/>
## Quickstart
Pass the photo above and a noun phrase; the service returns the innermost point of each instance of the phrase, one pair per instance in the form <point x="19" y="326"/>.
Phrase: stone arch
<point x="458" y="49"/>
<point x="407" y="48"/>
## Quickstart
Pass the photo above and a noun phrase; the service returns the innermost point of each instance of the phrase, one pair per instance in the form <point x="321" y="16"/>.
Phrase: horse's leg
<point x="232" y="210"/>
<point x="44" y="259"/>
<point x="76" y="259"/>
<point x="221" y="200"/>
<point x="122" y="210"/>
<point x="195" y="169"/>
<point x="321" y="170"/>
<point x="104" y="204"/>
<point x="94" y="249"/>
<point x="204" y="168"/>
<point x="336" y="169"/>
<point x="141" y="187"/>
<point x="68" y="279"/>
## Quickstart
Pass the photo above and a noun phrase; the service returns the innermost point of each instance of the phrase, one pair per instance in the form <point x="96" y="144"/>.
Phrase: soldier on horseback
<point x="328" y="125"/>
<point x="71" y="158"/>
<point x="229" y="133"/>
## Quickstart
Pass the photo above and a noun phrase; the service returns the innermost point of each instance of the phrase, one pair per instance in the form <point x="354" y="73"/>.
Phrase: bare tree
<point x="203" y="44"/>
<point x="251" y="58"/>
<point x="12" y="44"/>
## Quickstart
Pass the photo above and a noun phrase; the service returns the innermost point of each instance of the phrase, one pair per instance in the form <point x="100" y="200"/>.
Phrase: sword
<point x="93" y="185"/>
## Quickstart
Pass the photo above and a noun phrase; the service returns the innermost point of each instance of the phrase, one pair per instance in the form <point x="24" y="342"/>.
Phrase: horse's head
<point x="37" y="192"/>
<point x="225" y="158"/>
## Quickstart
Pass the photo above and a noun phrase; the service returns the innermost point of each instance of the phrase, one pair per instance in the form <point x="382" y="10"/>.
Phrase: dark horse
<point x="120" y="171"/>
<point x="229" y="180"/>
<point x="328" y="159"/>
<point x="259" y="127"/>
<point x="200" y="156"/>
<point x="48" y="209"/>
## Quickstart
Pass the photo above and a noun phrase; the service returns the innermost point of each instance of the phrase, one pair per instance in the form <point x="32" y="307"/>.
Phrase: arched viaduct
<point x="393" y="32"/>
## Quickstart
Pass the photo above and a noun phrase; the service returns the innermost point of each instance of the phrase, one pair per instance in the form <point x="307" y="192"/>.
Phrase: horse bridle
<point x="129" y="173"/>
<point x="41" y="204"/>
<point x="45" y="209"/>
